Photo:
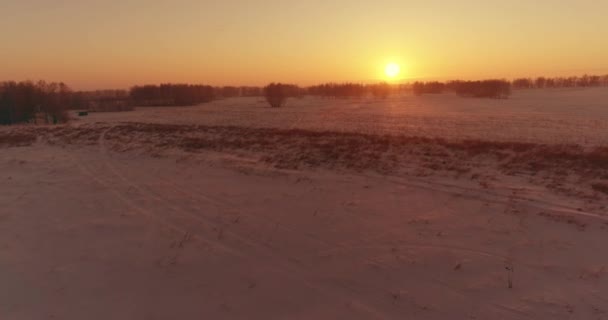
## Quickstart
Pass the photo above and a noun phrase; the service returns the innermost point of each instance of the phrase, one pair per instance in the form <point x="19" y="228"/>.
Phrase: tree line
<point x="171" y="94"/>
<point x="493" y="88"/>
<point x="351" y="90"/>
<point x="478" y="89"/>
<point x="432" y="87"/>
<point x="26" y="101"/>
<point x="561" y="82"/>
<point x="502" y="88"/>
<point x="161" y="95"/>
<point x="187" y="94"/>
<point x="497" y="89"/>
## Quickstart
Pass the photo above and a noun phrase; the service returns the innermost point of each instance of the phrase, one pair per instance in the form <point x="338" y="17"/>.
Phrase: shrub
<point x="277" y="93"/>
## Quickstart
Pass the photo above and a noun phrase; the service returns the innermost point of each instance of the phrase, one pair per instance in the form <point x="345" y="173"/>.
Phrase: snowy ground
<point x="550" y="116"/>
<point x="103" y="220"/>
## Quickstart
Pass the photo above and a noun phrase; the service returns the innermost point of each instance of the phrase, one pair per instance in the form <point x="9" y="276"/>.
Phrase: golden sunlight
<point x="392" y="70"/>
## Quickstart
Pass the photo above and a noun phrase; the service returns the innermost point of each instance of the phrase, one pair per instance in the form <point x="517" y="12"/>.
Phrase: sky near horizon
<point x="95" y="44"/>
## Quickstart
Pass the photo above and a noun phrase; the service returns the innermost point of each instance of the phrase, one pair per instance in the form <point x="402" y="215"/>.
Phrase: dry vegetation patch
<point x="16" y="139"/>
<point x="297" y="148"/>
<point x="600" y="187"/>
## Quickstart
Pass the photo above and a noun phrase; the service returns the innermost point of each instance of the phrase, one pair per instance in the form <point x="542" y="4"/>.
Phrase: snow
<point x="102" y="224"/>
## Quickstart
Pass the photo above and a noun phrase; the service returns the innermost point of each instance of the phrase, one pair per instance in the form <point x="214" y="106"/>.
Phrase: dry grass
<point x="16" y="139"/>
<point x="564" y="218"/>
<point x="600" y="187"/>
<point x="297" y="148"/>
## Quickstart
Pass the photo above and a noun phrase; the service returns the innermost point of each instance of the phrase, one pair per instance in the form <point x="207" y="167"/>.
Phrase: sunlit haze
<point x="115" y="44"/>
<point x="310" y="159"/>
<point x="392" y="70"/>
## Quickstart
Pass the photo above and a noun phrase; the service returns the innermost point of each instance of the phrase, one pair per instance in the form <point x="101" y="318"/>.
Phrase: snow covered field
<point x="232" y="210"/>
<point x="571" y="115"/>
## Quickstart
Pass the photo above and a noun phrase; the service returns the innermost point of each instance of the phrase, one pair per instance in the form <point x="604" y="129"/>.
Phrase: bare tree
<point x="21" y="102"/>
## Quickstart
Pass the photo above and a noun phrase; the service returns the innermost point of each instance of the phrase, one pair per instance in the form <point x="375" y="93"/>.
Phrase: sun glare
<point x="392" y="70"/>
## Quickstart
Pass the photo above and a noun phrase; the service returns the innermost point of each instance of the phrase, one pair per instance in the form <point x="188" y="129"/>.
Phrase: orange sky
<point x="93" y="44"/>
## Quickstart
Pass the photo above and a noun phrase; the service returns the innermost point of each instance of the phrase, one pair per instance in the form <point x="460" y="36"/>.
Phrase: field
<point x="432" y="207"/>
<point x="570" y="115"/>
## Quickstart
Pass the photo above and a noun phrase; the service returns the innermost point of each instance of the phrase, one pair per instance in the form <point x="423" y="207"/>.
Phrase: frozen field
<point x="550" y="116"/>
<point x="233" y="210"/>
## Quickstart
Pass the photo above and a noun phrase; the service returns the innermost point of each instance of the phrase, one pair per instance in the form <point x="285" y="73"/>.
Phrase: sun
<point x="392" y="70"/>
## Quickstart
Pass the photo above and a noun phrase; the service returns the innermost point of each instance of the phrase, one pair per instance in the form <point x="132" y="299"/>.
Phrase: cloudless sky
<point x="115" y="44"/>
